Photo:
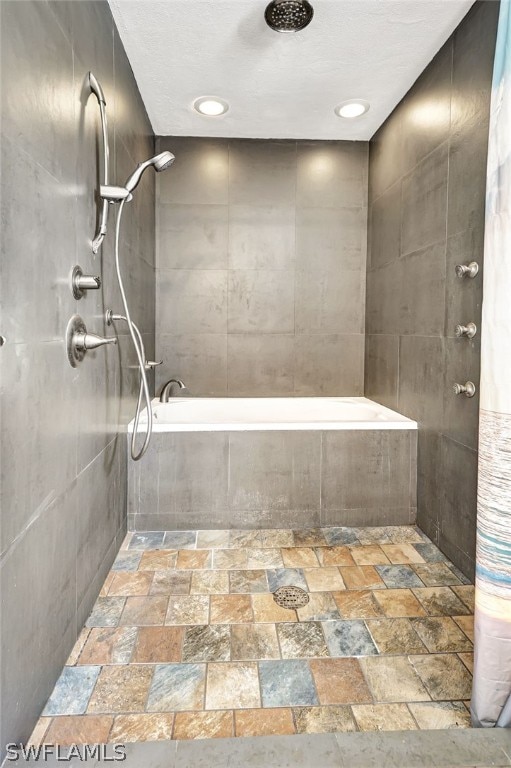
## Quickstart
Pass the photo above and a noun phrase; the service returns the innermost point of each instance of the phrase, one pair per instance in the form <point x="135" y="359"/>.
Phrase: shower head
<point x="160" y="163"/>
<point x="163" y="161"/>
<point x="288" y="15"/>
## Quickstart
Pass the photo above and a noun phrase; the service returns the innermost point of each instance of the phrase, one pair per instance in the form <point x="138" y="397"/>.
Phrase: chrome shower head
<point x="160" y="163"/>
<point x="163" y="161"/>
<point x="288" y="15"/>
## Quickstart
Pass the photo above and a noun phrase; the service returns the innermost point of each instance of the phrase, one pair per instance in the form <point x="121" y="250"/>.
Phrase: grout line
<point x="407" y="704"/>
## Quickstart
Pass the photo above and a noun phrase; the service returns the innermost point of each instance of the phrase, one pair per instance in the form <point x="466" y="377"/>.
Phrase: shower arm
<point x="103" y="220"/>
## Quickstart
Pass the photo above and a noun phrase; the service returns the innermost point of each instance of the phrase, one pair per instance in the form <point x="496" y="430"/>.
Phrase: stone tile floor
<point x="185" y="640"/>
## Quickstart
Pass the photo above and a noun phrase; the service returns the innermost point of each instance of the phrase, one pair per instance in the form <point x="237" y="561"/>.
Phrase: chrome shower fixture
<point x="79" y="341"/>
<point x="115" y="194"/>
<point x="110" y="318"/>
<point x="469" y="330"/>
<point x="468" y="389"/>
<point x="467" y="270"/>
<point x="166" y="391"/>
<point x="121" y="195"/>
<point x="160" y="162"/>
<point x="81" y="283"/>
<point x="97" y="90"/>
<point x="288" y="15"/>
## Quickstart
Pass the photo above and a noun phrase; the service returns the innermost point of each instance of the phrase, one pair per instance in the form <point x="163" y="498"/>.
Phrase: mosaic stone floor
<point x="185" y="640"/>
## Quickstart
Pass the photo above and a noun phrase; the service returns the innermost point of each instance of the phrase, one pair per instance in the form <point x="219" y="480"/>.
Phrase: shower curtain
<point x="491" y="695"/>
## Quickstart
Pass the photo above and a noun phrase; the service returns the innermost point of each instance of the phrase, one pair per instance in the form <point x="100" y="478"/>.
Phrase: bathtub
<point x="274" y="463"/>
<point x="273" y="413"/>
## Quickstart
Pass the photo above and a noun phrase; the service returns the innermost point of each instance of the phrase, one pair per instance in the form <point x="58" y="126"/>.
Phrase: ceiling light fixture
<point x="352" y="108"/>
<point x="211" y="106"/>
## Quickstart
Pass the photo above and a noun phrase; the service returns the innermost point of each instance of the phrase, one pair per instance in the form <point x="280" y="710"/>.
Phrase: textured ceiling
<point x="279" y="85"/>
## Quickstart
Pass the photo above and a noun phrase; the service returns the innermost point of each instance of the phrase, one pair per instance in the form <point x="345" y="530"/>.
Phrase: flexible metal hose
<point x="139" y="349"/>
<point x="141" y="387"/>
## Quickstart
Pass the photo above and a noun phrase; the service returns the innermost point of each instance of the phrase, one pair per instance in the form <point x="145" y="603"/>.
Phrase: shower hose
<point x="136" y="337"/>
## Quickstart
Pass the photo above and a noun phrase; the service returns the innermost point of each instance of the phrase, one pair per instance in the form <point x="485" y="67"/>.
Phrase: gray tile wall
<point x="63" y="461"/>
<point x="261" y="252"/>
<point x="427" y="178"/>
<point x="274" y="479"/>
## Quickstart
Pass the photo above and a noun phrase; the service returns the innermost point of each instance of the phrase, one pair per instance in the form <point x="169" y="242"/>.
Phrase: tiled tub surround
<point x="261" y="253"/>
<point x="270" y="463"/>
<point x="186" y="641"/>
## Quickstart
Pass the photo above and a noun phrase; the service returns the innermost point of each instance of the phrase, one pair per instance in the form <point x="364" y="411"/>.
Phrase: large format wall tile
<point x="368" y="469"/>
<point x="386" y="164"/>
<point x="192" y="472"/>
<point x="326" y="364"/>
<point x="99" y="488"/>
<point x="473" y="57"/>
<point x="39" y="433"/>
<point x="33" y="105"/>
<point x="200" y="360"/>
<point x="38" y="591"/>
<point x="467" y="176"/>
<point x="199" y="175"/>
<point x="421" y="380"/>
<point x="384" y="227"/>
<point x="426" y="111"/>
<point x="424" y="202"/>
<point x="285" y="224"/>
<point x="192" y="300"/>
<point x="273" y="479"/>
<point x="260" y="364"/>
<point x="262" y="173"/>
<point x="331" y="174"/>
<point x="261" y="237"/>
<point x="193" y="236"/>
<point x="381" y="371"/>
<point x="34" y="207"/>
<point x="429" y="482"/>
<point x="261" y="301"/>
<point x="274" y="470"/>
<point x="330" y="239"/>
<point x="64" y="472"/>
<point x="329" y="302"/>
<point x="427" y="179"/>
<point x="458" y="512"/>
<point x="384" y="311"/>
<point x="422" y="291"/>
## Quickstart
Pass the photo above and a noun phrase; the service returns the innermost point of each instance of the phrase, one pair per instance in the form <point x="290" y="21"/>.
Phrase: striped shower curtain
<point x="491" y="696"/>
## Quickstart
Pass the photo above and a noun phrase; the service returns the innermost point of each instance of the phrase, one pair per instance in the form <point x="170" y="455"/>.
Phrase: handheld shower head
<point x="160" y="163"/>
<point x="163" y="161"/>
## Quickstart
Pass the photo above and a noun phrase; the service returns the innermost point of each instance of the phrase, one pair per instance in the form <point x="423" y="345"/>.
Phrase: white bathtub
<point x="234" y="414"/>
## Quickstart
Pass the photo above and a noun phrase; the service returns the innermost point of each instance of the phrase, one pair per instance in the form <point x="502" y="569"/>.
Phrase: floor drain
<point x="291" y="597"/>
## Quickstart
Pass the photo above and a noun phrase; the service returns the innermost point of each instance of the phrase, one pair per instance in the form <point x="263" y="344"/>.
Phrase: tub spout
<point x="166" y="391"/>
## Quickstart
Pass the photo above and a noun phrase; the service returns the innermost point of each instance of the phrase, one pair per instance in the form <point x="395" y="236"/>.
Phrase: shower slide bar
<point x="103" y="220"/>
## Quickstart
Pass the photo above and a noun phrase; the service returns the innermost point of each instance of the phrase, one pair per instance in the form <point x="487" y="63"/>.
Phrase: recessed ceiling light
<point x="210" y="106"/>
<point x="352" y="108"/>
